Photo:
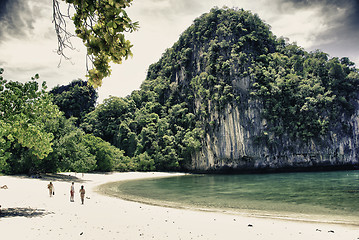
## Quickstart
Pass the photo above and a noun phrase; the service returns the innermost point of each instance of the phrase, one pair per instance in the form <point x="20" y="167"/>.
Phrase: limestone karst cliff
<point x="230" y="95"/>
<point x="233" y="146"/>
<point x="245" y="129"/>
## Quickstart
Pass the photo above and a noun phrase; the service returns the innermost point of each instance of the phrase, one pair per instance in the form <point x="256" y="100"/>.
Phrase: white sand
<point x="29" y="213"/>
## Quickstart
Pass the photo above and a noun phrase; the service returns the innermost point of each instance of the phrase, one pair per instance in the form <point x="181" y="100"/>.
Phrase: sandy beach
<point x="28" y="212"/>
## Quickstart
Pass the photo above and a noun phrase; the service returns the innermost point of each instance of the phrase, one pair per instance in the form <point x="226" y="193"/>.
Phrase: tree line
<point x="35" y="136"/>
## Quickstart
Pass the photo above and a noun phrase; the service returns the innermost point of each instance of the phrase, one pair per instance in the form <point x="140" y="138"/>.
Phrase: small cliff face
<point x="238" y="144"/>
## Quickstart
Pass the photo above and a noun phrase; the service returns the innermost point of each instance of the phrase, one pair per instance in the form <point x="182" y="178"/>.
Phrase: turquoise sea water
<point x="320" y="196"/>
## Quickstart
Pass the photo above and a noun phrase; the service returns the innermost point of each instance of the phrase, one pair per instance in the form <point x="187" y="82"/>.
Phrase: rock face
<point x="229" y="70"/>
<point x="235" y="145"/>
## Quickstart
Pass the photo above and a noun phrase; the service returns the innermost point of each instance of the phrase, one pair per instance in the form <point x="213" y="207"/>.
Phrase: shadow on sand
<point x="23" y="212"/>
<point x="55" y="177"/>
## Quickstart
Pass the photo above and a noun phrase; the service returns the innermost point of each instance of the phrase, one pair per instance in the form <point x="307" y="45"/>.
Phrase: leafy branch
<point x="101" y="25"/>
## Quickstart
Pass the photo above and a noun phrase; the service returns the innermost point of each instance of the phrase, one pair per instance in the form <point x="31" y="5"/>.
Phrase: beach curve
<point x="106" y="217"/>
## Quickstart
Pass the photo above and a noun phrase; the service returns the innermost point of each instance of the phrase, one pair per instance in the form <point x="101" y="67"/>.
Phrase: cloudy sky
<point x="28" y="42"/>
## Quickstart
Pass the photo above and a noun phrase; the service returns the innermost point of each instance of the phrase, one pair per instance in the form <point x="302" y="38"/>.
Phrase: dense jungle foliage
<point x="35" y="136"/>
<point x="75" y="100"/>
<point x="161" y="126"/>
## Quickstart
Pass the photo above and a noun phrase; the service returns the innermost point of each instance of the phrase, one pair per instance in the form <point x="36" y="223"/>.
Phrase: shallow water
<point x="320" y="196"/>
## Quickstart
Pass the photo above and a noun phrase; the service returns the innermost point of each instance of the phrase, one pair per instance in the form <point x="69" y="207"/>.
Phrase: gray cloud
<point x="341" y="19"/>
<point x="16" y="19"/>
<point x="332" y="10"/>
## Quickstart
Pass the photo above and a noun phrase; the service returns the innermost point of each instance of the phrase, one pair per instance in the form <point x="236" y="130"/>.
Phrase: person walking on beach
<point x="72" y="192"/>
<point x="82" y="194"/>
<point x="51" y="188"/>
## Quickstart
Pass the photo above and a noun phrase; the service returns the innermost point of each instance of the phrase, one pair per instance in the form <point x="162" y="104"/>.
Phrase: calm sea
<point x="318" y="196"/>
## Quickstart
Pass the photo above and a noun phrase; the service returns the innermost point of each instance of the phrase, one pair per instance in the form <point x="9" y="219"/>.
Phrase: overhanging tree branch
<point x="63" y="36"/>
<point x="101" y="25"/>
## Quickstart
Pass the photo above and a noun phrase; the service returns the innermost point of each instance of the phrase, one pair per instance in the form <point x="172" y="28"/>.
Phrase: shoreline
<point x="107" y="189"/>
<point x="37" y="216"/>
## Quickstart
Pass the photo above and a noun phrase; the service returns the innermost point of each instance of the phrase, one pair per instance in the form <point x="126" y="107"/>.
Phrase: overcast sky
<point x="28" y="41"/>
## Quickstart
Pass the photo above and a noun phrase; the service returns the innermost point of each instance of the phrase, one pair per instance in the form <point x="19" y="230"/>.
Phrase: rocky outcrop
<point x="228" y="70"/>
<point x="239" y="142"/>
